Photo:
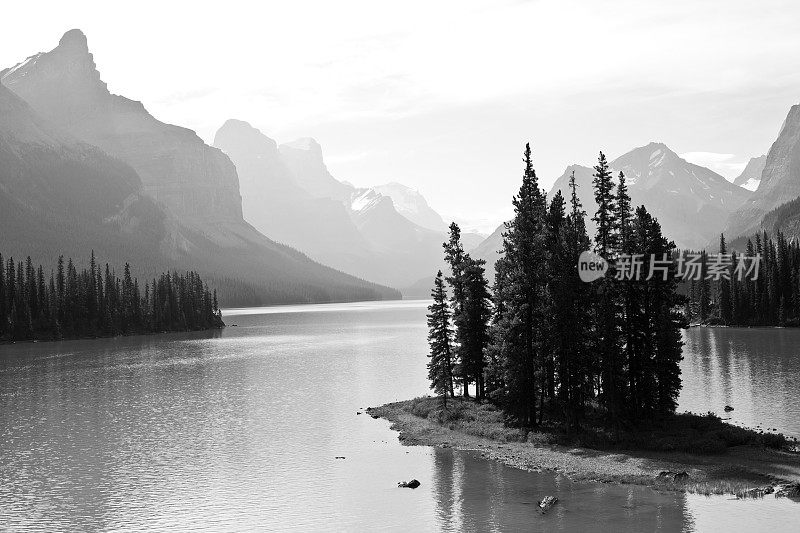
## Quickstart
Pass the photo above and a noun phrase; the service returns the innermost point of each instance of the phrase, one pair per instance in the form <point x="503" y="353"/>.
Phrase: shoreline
<point x="743" y="471"/>
<point x="101" y="337"/>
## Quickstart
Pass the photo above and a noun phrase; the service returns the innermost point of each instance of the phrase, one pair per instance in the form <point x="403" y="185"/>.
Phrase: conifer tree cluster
<point x="552" y="346"/>
<point x="739" y="297"/>
<point x="469" y="310"/>
<point x="95" y="302"/>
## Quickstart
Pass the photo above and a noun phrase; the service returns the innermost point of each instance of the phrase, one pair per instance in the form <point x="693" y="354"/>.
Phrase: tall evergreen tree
<point x="520" y="294"/>
<point x="440" y="339"/>
<point x="607" y="337"/>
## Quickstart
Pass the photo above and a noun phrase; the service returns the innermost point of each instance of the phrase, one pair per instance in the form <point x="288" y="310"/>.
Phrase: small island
<point x="577" y="370"/>
<point x="717" y="458"/>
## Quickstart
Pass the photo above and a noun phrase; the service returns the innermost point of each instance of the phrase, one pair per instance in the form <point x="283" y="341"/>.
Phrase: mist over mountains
<point x="387" y="233"/>
<point x="190" y="213"/>
<point x="82" y="168"/>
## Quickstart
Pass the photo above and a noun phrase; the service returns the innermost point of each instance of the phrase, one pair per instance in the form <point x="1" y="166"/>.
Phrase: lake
<point x="240" y="430"/>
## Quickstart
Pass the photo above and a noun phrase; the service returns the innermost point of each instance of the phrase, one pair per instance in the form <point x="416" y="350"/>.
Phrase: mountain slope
<point x="290" y="195"/>
<point x="277" y="206"/>
<point x="780" y="179"/>
<point x="195" y="186"/>
<point x="196" y="182"/>
<point x="751" y="175"/>
<point x="691" y="202"/>
<point x="59" y="196"/>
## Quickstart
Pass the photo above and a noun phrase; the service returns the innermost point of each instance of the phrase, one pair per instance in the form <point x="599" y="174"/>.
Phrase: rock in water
<point x="413" y="484"/>
<point x="547" y="503"/>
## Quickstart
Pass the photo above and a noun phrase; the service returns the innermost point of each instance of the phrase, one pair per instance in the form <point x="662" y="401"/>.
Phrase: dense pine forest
<point x="544" y="345"/>
<point x="770" y="298"/>
<point x="95" y="302"/>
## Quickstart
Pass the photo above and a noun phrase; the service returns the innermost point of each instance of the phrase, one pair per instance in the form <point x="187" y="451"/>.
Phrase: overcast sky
<point x="441" y="95"/>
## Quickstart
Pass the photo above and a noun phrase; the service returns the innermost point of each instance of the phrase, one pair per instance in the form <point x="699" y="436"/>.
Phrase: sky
<point x="442" y="96"/>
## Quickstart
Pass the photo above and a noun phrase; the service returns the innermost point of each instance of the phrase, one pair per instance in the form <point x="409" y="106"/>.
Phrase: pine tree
<point x="440" y="333"/>
<point x="659" y="359"/>
<point x="520" y="293"/>
<point x="607" y="338"/>
<point x="473" y="323"/>
<point x="724" y="289"/>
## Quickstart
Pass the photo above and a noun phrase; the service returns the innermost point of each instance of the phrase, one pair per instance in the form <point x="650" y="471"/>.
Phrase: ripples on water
<point x="239" y="429"/>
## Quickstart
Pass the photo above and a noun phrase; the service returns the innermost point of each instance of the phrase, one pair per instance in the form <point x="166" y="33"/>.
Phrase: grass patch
<point x="684" y="433"/>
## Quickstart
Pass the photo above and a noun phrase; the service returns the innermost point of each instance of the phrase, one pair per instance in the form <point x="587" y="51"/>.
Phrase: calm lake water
<point x="239" y="430"/>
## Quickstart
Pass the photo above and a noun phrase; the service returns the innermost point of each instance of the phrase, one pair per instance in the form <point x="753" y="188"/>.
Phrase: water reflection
<point x="757" y="371"/>
<point x="475" y="495"/>
<point x="238" y="430"/>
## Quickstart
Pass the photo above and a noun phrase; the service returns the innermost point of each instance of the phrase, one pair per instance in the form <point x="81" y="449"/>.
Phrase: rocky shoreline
<point x="744" y="471"/>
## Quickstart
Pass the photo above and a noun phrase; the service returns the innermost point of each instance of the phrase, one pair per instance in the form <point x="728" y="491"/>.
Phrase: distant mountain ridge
<point x="412" y="205"/>
<point x="388" y="234"/>
<point x="691" y="202"/>
<point x="780" y="180"/>
<point x="750" y="177"/>
<point x="189" y="211"/>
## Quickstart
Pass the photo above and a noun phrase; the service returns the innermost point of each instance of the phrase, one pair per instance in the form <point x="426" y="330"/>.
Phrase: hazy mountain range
<point x="387" y="233"/>
<point x="82" y="169"/>
<point x="691" y="202"/>
<point x="104" y="161"/>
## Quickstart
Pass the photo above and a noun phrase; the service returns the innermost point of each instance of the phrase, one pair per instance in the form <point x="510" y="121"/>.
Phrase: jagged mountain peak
<point x="64" y="80"/>
<point x="651" y="157"/>
<point x="750" y="177"/>
<point x="238" y="134"/>
<point x="779" y="182"/>
<point x="74" y="39"/>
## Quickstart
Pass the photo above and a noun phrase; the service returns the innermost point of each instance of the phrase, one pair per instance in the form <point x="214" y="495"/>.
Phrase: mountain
<point x="290" y="194"/>
<point x="195" y="181"/>
<point x="59" y="195"/>
<point x="303" y="157"/>
<point x="691" y="202"/>
<point x="751" y="175"/>
<point x="412" y="205"/>
<point x="780" y="180"/>
<point x="195" y="186"/>
<point x="275" y="203"/>
<point x="390" y="232"/>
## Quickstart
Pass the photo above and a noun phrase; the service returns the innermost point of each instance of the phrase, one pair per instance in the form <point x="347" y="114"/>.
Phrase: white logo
<point x="591" y="266"/>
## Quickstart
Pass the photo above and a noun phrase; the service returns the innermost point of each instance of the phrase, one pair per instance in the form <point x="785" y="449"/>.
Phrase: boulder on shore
<point x="413" y="484"/>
